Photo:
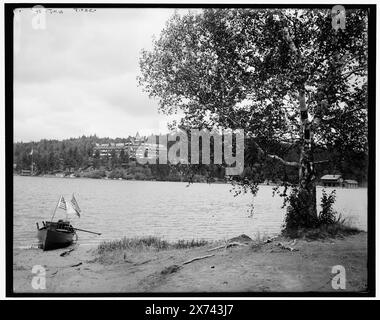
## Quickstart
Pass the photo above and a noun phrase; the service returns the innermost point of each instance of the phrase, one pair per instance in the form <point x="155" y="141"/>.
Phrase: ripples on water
<point x="170" y="210"/>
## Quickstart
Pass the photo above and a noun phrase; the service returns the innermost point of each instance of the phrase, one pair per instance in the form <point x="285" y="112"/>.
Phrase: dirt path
<point x="239" y="269"/>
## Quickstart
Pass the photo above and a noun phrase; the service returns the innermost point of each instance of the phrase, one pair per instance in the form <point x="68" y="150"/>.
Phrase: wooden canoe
<point x="54" y="235"/>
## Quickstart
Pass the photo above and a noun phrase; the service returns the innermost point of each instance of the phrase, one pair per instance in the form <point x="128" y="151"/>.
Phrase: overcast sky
<point x="78" y="75"/>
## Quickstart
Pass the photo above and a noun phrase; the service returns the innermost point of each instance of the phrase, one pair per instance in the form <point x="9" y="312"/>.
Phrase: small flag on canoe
<point x="75" y="205"/>
<point x="62" y="203"/>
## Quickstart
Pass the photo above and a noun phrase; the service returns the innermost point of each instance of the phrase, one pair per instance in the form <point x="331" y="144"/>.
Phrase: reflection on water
<point x="166" y="209"/>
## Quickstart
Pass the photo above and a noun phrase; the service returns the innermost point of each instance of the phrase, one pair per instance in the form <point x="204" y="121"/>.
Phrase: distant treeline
<point x="54" y="155"/>
<point x="76" y="156"/>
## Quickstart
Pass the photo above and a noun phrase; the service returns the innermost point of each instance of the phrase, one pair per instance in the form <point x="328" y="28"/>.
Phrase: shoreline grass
<point x="339" y="229"/>
<point x="148" y="242"/>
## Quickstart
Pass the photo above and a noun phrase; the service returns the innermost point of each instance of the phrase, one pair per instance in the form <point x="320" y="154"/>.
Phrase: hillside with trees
<point x="76" y="156"/>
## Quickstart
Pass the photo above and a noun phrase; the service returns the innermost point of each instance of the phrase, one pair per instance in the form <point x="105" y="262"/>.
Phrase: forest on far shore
<point x="76" y="156"/>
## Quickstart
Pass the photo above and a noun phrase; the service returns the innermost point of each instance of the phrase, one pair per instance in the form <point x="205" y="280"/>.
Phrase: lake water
<point x="170" y="210"/>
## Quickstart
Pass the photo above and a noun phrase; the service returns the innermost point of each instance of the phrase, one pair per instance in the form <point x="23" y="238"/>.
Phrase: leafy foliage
<point x="233" y="68"/>
<point x="297" y="211"/>
<point x="298" y="224"/>
<point x="327" y="215"/>
<point x="245" y="68"/>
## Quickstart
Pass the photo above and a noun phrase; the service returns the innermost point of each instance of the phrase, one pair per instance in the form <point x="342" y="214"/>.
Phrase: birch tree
<point x="286" y="77"/>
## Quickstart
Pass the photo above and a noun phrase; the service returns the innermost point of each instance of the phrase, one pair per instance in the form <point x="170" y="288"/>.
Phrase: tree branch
<point x="348" y="74"/>
<point x="321" y="161"/>
<point x="273" y="156"/>
<point x="287" y="163"/>
<point x="345" y="113"/>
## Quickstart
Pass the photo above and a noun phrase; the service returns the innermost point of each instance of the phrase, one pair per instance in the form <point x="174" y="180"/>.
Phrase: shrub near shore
<point x="328" y="224"/>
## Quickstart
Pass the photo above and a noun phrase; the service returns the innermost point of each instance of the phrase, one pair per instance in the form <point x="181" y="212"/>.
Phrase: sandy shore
<point x="262" y="268"/>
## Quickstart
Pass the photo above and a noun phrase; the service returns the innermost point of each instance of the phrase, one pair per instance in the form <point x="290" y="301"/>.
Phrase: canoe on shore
<point x="60" y="234"/>
<point x="54" y="235"/>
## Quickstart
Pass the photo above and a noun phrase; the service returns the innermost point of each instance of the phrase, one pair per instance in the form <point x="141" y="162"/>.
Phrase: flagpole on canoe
<point x="56" y="207"/>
